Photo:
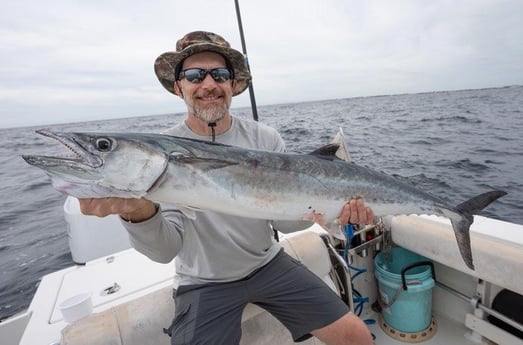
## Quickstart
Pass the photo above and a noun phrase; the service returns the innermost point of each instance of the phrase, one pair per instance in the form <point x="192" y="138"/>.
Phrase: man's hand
<point x="133" y="210"/>
<point x="355" y="212"/>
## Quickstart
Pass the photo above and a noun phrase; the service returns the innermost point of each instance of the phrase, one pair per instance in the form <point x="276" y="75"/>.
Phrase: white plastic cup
<point x="76" y="307"/>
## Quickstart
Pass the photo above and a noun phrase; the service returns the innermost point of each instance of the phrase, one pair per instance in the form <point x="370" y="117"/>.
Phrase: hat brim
<point x="165" y="65"/>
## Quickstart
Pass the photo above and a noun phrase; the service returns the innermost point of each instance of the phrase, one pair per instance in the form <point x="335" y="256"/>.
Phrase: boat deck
<point x="141" y="306"/>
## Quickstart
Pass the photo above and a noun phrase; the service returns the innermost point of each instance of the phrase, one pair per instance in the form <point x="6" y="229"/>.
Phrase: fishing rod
<point x="244" y="48"/>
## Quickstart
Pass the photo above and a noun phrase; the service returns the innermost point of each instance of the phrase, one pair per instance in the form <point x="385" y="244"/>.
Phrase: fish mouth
<point x="80" y="158"/>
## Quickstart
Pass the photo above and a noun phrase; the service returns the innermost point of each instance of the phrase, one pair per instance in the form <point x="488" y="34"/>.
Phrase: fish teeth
<point x="76" y="154"/>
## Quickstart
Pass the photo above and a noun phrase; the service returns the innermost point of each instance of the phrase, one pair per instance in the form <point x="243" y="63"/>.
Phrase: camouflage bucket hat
<point x="166" y="64"/>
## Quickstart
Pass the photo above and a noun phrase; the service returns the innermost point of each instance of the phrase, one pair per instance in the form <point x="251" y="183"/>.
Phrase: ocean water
<point x="453" y="144"/>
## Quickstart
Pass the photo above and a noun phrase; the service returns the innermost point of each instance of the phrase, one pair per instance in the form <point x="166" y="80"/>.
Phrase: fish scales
<point x="242" y="182"/>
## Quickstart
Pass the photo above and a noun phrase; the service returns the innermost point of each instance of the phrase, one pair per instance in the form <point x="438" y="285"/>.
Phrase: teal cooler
<point x="405" y="282"/>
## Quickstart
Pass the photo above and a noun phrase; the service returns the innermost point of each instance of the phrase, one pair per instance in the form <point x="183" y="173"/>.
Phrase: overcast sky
<point x="72" y="60"/>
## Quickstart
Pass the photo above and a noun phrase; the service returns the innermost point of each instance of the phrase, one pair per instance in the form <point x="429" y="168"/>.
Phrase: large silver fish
<point x="241" y="182"/>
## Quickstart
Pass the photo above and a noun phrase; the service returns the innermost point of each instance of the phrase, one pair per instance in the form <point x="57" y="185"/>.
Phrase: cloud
<point x="94" y="58"/>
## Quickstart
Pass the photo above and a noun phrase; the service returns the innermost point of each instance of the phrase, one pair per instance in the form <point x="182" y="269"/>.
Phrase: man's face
<point x="209" y="100"/>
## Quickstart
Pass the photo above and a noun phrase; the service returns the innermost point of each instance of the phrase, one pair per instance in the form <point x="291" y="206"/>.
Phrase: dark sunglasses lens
<point x="197" y="75"/>
<point x="194" y="75"/>
<point x="220" y="75"/>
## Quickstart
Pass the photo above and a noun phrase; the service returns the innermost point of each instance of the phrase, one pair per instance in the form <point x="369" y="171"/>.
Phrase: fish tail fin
<point x="478" y="203"/>
<point x="461" y="225"/>
<point x="462" y="217"/>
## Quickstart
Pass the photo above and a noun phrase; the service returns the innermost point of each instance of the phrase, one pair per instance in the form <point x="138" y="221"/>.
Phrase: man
<point x="224" y="262"/>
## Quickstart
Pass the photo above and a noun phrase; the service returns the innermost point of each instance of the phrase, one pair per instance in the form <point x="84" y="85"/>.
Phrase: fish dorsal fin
<point x="336" y="149"/>
<point x="328" y="151"/>
<point x="343" y="151"/>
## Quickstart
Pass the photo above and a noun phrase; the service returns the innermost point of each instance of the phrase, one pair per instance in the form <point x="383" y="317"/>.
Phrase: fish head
<point x="103" y="165"/>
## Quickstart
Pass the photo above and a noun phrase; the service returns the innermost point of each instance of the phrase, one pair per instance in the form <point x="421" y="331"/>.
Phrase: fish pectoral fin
<point x="203" y="164"/>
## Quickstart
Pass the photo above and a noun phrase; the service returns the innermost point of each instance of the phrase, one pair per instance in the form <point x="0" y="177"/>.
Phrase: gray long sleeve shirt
<point x="213" y="247"/>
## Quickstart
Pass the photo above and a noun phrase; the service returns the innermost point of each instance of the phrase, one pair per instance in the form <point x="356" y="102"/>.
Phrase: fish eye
<point x="103" y="144"/>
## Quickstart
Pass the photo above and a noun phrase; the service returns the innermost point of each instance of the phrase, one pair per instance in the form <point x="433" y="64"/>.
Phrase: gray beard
<point x="210" y="113"/>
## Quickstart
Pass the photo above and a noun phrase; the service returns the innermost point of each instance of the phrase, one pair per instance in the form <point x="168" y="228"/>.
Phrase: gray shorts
<point x="211" y="313"/>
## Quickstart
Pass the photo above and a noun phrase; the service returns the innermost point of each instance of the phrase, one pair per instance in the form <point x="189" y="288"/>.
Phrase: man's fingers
<point x="370" y="215"/>
<point x="355" y="212"/>
<point x="102" y="207"/>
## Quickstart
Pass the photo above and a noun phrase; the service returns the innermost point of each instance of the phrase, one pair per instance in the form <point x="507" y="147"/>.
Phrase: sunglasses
<point x="197" y="75"/>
